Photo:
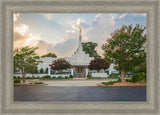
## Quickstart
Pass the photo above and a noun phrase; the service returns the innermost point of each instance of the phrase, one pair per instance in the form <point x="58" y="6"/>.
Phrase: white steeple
<point x="80" y="49"/>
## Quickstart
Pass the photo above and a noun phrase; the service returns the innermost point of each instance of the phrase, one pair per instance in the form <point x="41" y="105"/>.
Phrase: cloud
<point x="80" y="23"/>
<point x="66" y="48"/>
<point x="16" y="16"/>
<point x="100" y="29"/>
<point x="23" y="37"/>
<point x="122" y="16"/>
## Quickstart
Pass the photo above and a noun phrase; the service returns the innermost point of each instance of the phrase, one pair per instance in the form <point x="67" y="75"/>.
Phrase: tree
<point x="25" y="60"/>
<point x="41" y="70"/>
<point x="89" y="48"/>
<point x="46" y="71"/>
<point x="50" y="55"/>
<point x="126" y="48"/>
<point x="60" y="64"/>
<point x="98" y="64"/>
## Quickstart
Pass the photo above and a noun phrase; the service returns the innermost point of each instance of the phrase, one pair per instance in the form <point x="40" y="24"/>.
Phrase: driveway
<point x="78" y="82"/>
<point x="78" y="93"/>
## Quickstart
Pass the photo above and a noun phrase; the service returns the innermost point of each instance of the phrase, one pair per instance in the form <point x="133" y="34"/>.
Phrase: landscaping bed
<point x="30" y="84"/>
<point x="125" y="84"/>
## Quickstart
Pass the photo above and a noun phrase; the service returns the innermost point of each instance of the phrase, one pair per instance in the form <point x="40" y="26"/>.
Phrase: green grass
<point x="38" y="83"/>
<point x="112" y="82"/>
<point x="109" y="83"/>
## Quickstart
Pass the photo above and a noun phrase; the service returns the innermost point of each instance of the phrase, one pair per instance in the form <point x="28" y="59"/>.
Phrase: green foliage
<point x="46" y="71"/>
<point x="38" y="83"/>
<point x="88" y="76"/>
<point x="113" y="75"/>
<point x="141" y="67"/>
<point x="17" y="80"/>
<point x="119" y="79"/>
<point x="138" y="77"/>
<point x="60" y="77"/>
<point x="54" y="77"/>
<point x="89" y="48"/>
<point x="109" y="83"/>
<point x="26" y="60"/>
<point x="98" y="64"/>
<point x="126" y="47"/>
<point x="41" y="70"/>
<point x="50" y="55"/>
<point x="60" y="64"/>
<point x="66" y="77"/>
<point x="46" y="77"/>
<point x="71" y="76"/>
<point x="112" y="82"/>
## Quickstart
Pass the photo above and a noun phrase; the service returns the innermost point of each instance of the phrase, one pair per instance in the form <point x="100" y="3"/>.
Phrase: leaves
<point x="26" y="60"/>
<point x="98" y="64"/>
<point x="60" y="64"/>
<point x="126" y="47"/>
<point x="50" y="55"/>
<point x="89" y="48"/>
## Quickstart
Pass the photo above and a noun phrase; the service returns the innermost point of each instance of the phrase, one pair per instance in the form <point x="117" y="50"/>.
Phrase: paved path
<point x="75" y="82"/>
<point x="78" y="93"/>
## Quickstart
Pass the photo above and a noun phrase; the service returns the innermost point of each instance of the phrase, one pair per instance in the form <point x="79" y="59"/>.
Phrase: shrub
<point x="38" y="83"/>
<point x="109" y="83"/>
<point x="70" y="76"/>
<point x="60" y="77"/>
<point x="46" y="77"/>
<point x="88" y="76"/>
<point x="54" y="77"/>
<point x="119" y="79"/>
<point x="138" y="77"/>
<point x="113" y="75"/>
<point x="66" y="77"/>
<point x="17" y="80"/>
<point x="128" y="80"/>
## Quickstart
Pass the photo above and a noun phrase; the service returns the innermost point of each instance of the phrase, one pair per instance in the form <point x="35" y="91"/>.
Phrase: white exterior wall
<point x="99" y="75"/>
<point x="40" y="75"/>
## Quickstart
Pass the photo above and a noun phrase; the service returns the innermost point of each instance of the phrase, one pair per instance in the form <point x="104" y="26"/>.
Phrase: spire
<point x="79" y="30"/>
<point x="80" y="49"/>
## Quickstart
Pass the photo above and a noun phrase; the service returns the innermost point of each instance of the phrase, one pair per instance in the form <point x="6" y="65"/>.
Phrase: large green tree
<point x="126" y="48"/>
<point x="26" y="60"/>
<point x="49" y="55"/>
<point x="89" y="48"/>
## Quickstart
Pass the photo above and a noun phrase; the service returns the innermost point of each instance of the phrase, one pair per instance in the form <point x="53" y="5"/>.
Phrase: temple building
<point x="79" y="62"/>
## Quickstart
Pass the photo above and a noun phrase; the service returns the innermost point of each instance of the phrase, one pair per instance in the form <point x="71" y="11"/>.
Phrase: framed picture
<point x="79" y="57"/>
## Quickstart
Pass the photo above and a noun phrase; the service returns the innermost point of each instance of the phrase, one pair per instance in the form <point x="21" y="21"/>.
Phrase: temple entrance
<point x="79" y="72"/>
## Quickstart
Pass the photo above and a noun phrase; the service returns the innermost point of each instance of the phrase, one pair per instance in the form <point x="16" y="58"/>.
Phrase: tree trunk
<point x="23" y="77"/>
<point x="122" y="75"/>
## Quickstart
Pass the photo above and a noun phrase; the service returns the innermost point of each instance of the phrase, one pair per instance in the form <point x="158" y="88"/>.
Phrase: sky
<point x="59" y="33"/>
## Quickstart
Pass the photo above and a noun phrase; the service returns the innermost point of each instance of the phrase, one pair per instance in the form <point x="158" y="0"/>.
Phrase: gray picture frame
<point x="8" y="7"/>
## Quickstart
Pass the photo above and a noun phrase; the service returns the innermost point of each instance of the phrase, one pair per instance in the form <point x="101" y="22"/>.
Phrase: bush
<point x="60" y="77"/>
<point x="54" y="77"/>
<point x="109" y="83"/>
<point x="17" y="80"/>
<point x="46" y="77"/>
<point x="66" y="77"/>
<point x="119" y="79"/>
<point x="38" y="83"/>
<point x="113" y="75"/>
<point x="128" y="80"/>
<point x="70" y="76"/>
<point x="138" y="77"/>
<point x="88" y="76"/>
